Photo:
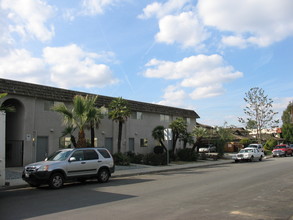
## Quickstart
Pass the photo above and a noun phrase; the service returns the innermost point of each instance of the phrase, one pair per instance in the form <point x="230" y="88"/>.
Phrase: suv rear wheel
<point x="103" y="176"/>
<point x="56" y="181"/>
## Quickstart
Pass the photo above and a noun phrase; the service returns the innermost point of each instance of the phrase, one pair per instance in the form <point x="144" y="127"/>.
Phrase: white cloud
<point x="184" y="29"/>
<point x="65" y="67"/>
<point x="160" y="10"/>
<point x="259" y="22"/>
<point x="20" y="65"/>
<point x="94" y="7"/>
<point x="173" y="96"/>
<point x="70" y="66"/>
<point x="207" y="92"/>
<point x="205" y="75"/>
<point x="29" y="18"/>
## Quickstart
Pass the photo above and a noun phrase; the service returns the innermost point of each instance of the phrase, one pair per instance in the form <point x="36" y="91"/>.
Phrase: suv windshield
<point x="59" y="156"/>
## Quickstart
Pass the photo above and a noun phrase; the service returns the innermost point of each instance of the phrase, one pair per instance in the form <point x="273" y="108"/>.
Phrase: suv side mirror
<point x="71" y="159"/>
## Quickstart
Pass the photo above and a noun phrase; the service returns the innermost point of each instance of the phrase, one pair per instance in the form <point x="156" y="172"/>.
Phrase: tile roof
<point x="63" y="95"/>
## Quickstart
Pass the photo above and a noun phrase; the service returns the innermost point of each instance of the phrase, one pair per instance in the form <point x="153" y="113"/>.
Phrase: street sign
<point x="168" y="134"/>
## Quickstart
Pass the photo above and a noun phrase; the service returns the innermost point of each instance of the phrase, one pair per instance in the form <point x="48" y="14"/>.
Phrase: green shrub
<point x="121" y="159"/>
<point x="154" y="159"/>
<point x="136" y="158"/>
<point x="187" y="154"/>
<point x="270" y="144"/>
<point x="158" y="150"/>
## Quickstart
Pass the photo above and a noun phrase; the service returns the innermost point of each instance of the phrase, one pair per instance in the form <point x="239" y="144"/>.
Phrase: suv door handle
<point x="82" y="162"/>
<point x="99" y="161"/>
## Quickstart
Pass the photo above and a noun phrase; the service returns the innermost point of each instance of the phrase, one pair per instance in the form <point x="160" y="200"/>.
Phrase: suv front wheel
<point x="56" y="181"/>
<point x="103" y="176"/>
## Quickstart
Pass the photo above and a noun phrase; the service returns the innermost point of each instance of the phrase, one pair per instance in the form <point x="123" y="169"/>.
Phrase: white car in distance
<point x="248" y="154"/>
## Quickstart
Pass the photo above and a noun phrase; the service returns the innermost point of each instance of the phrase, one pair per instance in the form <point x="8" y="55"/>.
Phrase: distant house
<point x="34" y="130"/>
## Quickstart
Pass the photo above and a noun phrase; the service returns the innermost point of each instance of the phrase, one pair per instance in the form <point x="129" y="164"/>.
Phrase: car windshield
<point x="246" y="151"/>
<point x="279" y="147"/>
<point x="252" y="145"/>
<point x="59" y="156"/>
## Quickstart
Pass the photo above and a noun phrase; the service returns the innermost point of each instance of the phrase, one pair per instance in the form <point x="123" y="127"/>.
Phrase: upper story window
<point x="188" y="121"/>
<point x="165" y="118"/>
<point x="104" y="111"/>
<point x="49" y="104"/>
<point x="136" y="115"/>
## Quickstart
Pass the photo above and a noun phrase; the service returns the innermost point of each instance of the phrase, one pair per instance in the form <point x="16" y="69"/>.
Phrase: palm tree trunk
<point x="73" y="141"/>
<point x="119" y="136"/>
<point x="92" y="136"/>
<point x="81" y="142"/>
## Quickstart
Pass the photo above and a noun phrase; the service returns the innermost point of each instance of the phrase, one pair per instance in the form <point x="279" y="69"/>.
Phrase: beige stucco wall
<point x="38" y="122"/>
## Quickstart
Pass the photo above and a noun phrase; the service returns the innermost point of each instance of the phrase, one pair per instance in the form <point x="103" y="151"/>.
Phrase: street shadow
<point x="33" y="202"/>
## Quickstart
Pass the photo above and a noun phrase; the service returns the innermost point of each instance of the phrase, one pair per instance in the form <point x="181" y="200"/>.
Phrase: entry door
<point x="14" y="153"/>
<point x="42" y="148"/>
<point x="109" y="144"/>
<point x="131" y="144"/>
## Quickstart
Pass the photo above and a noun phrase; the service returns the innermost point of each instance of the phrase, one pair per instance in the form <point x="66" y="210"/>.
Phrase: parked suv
<point x="70" y="164"/>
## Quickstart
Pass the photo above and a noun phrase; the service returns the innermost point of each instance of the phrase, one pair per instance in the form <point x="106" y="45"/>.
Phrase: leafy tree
<point x="119" y="112"/>
<point x="6" y="108"/>
<point x="179" y="127"/>
<point x="270" y="144"/>
<point x="158" y="134"/>
<point x="251" y="124"/>
<point x="78" y="116"/>
<point x="258" y="110"/>
<point x="224" y="135"/>
<point x="287" y="127"/>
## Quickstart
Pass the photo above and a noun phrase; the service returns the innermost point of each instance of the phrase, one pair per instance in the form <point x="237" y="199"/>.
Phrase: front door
<point x="42" y="148"/>
<point x="131" y="145"/>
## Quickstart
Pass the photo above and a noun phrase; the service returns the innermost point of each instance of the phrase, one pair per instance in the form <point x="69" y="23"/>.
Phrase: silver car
<point x="70" y="164"/>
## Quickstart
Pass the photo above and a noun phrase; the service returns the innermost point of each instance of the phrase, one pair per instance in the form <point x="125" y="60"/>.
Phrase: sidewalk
<point x="14" y="180"/>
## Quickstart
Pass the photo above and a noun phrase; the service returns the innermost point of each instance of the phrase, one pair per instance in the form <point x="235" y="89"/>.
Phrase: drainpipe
<point x="2" y="147"/>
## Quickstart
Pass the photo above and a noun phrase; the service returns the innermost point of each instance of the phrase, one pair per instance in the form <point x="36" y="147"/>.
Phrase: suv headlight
<point x="43" y="168"/>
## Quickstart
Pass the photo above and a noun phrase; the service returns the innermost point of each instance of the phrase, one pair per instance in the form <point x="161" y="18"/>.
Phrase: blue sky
<point x="202" y="55"/>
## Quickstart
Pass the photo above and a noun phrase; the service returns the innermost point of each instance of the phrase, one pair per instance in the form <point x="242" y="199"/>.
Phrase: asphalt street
<point x="253" y="190"/>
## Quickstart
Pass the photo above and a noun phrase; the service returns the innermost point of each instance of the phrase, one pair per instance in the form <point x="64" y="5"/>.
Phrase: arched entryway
<point x="14" y="133"/>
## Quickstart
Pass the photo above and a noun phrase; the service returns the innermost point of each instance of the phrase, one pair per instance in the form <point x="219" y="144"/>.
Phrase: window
<point x="136" y="115"/>
<point x="91" y="155"/>
<point x="78" y="155"/>
<point x="104" y="153"/>
<point x="165" y="118"/>
<point x="104" y="111"/>
<point x="143" y="142"/>
<point x="48" y="105"/>
<point x="188" y="121"/>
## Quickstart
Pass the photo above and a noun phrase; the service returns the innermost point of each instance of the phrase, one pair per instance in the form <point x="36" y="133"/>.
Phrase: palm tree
<point x="95" y="117"/>
<point x="69" y="131"/>
<point x="119" y="112"/>
<point x="199" y="133"/>
<point x="78" y="116"/>
<point x="179" y="126"/>
<point x="158" y="134"/>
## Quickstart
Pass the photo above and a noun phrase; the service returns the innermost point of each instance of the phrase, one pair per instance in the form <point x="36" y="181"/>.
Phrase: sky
<point x="202" y="55"/>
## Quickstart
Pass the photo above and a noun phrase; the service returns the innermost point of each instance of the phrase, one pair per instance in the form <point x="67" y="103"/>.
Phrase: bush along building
<point x="34" y="130"/>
